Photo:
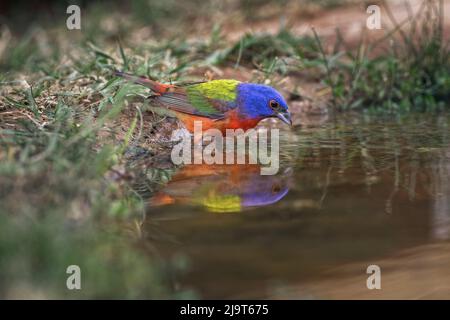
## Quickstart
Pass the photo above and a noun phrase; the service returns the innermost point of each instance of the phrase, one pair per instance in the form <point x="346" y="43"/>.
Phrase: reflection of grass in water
<point x="149" y="178"/>
<point x="372" y="147"/>
<point x="379" y="139"/>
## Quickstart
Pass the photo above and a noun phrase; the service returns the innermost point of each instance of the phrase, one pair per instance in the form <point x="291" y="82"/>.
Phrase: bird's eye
<point x="274" y="105"/>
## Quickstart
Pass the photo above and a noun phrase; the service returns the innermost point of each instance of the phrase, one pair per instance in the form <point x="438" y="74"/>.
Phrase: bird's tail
<point x="155" y="86"/>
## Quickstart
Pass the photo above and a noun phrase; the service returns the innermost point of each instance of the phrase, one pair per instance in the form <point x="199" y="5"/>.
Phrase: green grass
<point x="60" y="206"/>
<point x="412" y="73"/>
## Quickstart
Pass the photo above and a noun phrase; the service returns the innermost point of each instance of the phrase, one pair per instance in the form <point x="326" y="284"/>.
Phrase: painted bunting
<point x="219" y="104"/>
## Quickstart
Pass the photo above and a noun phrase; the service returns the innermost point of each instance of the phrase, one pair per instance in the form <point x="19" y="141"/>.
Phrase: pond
<point x="351" y="191"/>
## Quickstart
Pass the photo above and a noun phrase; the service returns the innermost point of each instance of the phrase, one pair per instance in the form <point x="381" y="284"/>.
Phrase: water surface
<point x="350" y="192"/>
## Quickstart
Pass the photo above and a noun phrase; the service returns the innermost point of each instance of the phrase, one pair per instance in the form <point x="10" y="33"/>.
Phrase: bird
<point x="219" y="104"/>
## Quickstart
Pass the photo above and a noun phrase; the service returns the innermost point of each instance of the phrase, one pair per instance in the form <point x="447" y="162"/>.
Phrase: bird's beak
<point x="285" y="117"/>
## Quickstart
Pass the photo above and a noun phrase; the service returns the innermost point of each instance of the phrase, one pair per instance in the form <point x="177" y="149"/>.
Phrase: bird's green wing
<point x="217" y="89"/>
<point x="209" y="99"/>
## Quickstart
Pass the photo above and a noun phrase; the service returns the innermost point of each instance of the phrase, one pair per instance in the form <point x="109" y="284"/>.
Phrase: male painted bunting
<point x="219" y="104"/>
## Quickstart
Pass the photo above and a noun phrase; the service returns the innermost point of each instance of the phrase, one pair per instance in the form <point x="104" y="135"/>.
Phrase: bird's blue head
<point x="257" y="100"/>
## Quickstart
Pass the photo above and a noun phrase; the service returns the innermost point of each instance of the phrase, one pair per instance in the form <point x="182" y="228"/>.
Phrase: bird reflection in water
<point x="224" y="188"/>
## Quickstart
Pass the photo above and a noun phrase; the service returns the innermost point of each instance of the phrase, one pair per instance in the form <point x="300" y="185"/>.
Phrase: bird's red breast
<point x="232" y="120"/>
